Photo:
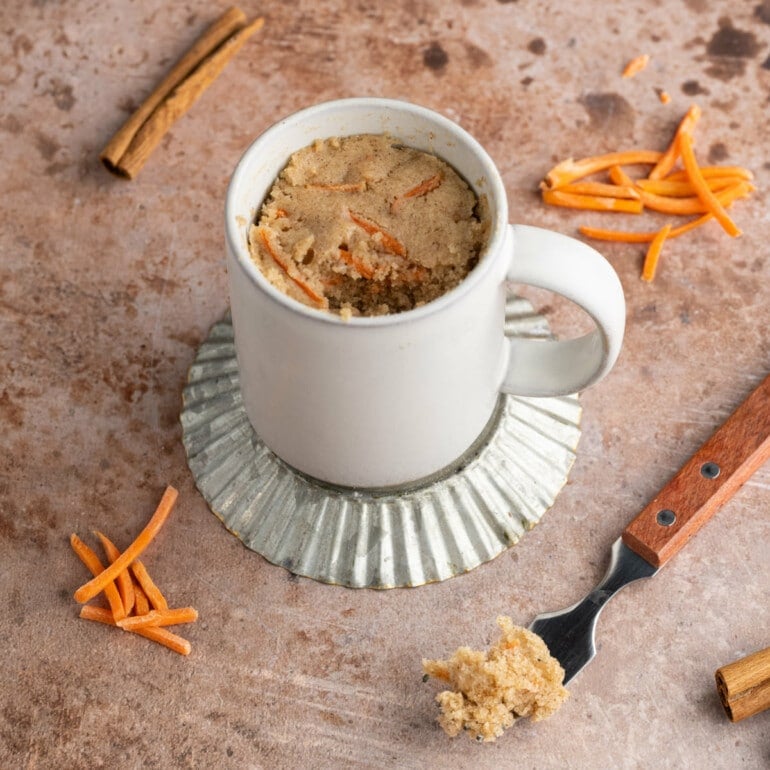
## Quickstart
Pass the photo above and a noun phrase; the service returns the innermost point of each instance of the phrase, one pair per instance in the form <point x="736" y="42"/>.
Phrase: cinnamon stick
<point x="744" y="686"/>
<point x="131" y="146"/>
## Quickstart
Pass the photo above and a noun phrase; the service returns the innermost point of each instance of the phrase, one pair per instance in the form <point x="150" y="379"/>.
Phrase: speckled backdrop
<point x="107" y="287"/>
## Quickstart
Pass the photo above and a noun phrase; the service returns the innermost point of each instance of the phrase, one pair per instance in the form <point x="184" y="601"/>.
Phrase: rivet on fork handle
<point x="707" y="481"/>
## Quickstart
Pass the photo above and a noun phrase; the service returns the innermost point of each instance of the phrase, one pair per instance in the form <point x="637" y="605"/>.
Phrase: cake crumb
<point x="516" y="677"/>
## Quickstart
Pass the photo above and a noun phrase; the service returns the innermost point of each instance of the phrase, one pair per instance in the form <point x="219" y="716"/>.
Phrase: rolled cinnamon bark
<point x="132" y="144"/>
<point x="744" y="686"/>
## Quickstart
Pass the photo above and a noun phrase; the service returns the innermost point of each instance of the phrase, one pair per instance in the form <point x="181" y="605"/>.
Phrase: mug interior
<point x="410" y="124"/>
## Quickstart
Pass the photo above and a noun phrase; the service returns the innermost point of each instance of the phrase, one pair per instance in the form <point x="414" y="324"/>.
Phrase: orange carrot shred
<point x="636" y="65"/>
<point x="664" y="96"/>
<point x="145" y="537"/>
<point x="710" y="200"/>
<point x="570" y="170"/>
<point x="684" y="189"/>
<point x="151" y="591"/>
<point x="602" y="189"/>
<point x="284" y="265"/>
<point x="142" y="606"/>
<point x="653" y="253"/>
<point x="157" y="618"/>
<point x="713" y="172"/>
<point x="363" y="270"/>
<point x="629" y="237"/>
<point x="671" y="155"/>
<point x="161" y="635"/>
<point x="389" y="243"/>
<point x="95" y="566"/>
<point x="591" y="202"/>
<point x="123" y="580"/>
<point x="423" y="188"/>
<point x="695" y="204"/>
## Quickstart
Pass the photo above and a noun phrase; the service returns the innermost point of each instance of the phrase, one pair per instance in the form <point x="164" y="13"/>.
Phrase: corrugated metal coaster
<point x="388" y="539"/>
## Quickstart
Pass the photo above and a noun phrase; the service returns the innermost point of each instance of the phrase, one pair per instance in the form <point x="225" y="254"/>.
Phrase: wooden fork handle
<point x="707" y="481"/>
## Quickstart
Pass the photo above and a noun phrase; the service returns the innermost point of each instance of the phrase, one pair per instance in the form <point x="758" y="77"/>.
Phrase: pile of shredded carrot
<point x="675" y="184"/>
<point x="136" y="604"/>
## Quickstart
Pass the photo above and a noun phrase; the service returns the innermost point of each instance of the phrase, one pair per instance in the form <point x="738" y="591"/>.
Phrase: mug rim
<point x="493" y="245"/>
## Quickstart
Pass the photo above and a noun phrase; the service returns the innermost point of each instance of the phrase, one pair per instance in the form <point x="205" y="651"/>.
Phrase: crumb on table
<point x="516" y="677"/>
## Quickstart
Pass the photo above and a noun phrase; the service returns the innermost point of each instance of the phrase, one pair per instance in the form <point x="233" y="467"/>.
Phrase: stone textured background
<point x="107" y="287"/>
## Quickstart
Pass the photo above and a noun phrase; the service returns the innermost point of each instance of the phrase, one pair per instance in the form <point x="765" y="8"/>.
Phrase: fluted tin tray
<point x="443" y="527"/>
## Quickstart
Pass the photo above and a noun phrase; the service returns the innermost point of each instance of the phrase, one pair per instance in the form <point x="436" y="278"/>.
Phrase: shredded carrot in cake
<point x="363" y="270"/>
<point x="284" y="265"/>
<point x="423" y="188"/>
<point x="385" y="239"/>
<point x="693" y="189"/>
<point x="636" y="65"/>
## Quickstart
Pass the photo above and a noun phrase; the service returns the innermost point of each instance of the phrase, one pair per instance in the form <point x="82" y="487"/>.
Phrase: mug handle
<point x="573" y="269"/>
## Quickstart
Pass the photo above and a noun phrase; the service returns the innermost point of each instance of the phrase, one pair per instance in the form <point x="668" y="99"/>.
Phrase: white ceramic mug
<point x="384" y="401"/>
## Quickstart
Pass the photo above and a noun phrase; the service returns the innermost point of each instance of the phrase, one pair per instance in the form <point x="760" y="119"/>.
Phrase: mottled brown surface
<point x="107" y="287"/>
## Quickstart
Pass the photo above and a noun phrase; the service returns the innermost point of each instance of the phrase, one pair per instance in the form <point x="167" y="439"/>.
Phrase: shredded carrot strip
<point x="151" y="591"/>
<point x="710" y="200"/>
<point x="570" y="170"/>
<point x="636" y="65"/>
<point x="671" y="155"/>
<point x="653" y="253"/>
<point x="682" y="189"/>
<point x="123" y="580"/>
<point x="628" y="237"/>
<point x="679" y="206"/>
<point x="160" y="635"/>
<point x="426" y="186"/>
<point x="601" y="189"/>
<point x="391" y="244"/>
<point x="95" y="567"/>
<point x="145" y="537"/>
<point x="157" y="618"/>
<point x="695" y="205"/>
<point x="423" y="188"/>
<point x="713" y="172"/>
<point x="343" y="187"/>
<point x="618" y="175"/>
<point x="591" y="202"/>
<point x="142" y="606"/>
<point x="664" y="97"/>
<point x="364" y="270"/>
<point x="281" y="213"/>
<point x="284" y="265"/>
